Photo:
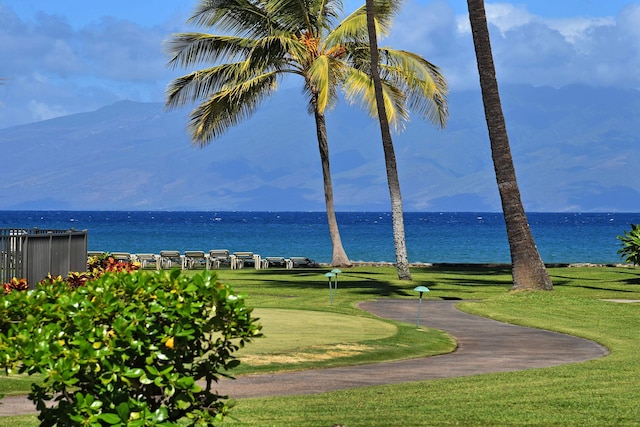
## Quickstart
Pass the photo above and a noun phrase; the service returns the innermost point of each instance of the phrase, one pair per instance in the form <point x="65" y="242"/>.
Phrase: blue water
<point x="366" y="236"/>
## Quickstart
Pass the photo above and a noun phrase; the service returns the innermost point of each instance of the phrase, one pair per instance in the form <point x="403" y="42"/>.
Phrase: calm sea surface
<point x="367" y="236"/>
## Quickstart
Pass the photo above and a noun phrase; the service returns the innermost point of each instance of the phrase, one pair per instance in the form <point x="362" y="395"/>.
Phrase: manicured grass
<point x="19" y="421"/>
<point x="285" y="330"/>
<point x="599" y="392"/>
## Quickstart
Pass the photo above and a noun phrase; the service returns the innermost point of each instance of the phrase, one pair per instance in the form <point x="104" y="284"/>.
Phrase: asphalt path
<point x="483" y="346"/>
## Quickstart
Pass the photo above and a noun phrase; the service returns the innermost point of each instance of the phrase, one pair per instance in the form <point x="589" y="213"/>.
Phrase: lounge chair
<point x="121" y="256"/>
<point x="240" y="259"/>
<point x="147" y="261"/>
<point x="169" y="259"/>
<point x="217" y="258"/>
<point x="298" y="261"/>
<point x="276" y="261"/>
<point x="195" y="259"/>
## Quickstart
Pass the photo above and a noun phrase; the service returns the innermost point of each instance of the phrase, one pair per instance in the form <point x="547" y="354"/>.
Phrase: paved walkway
<point x="484" y="346"/>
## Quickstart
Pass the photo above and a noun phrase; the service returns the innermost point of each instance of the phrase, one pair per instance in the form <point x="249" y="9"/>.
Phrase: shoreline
<point x="479" y="264"/>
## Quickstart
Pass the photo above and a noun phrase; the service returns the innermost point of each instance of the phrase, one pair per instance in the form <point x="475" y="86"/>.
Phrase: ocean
<point x="432" y="237"/>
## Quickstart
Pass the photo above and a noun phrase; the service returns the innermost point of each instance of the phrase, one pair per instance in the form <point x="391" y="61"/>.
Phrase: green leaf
<point x="123" y="411"/>
<point x="110" y="418"/>
<point x="133" y="373"/>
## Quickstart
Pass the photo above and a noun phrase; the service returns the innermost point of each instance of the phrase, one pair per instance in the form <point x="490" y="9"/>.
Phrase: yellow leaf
<point x="169" y="343"/>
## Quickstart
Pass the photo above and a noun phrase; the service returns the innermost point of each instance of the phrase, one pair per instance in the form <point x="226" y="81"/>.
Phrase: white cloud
<point x="86" y="65"/>
<point x="506" y="16"/>
<point x="42" y="111"/>
<point x="576" y="29"/>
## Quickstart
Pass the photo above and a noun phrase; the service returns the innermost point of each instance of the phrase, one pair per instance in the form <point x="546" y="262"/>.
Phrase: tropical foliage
<point x="260" y="42"/>
<point x="630" y="241"/>
<point x="126" y="348"/>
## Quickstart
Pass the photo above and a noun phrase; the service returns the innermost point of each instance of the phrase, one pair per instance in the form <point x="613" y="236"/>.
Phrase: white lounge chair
<point x="169" y="259"/>
<point x="121" y="256"/>
<point x="239" y="259"/>
<point x="276" y="261"/>
<point x="217" y="258"/>
<point x="147" y="260"/>
<point x="195" y="259"/>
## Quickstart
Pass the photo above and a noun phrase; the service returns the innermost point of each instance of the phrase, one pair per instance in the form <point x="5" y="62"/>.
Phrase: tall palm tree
<point x="528" y="270"/>
<point x="264" y="40"/>
<point x="402" y="263"/>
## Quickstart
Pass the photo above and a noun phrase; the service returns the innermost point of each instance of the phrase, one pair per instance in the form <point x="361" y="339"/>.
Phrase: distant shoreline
<point x="479" y="265"/>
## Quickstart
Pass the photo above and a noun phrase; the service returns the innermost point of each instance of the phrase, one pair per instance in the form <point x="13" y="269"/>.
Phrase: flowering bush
<point x="134" y="349"/>
<point x="102" y="263"/>
<point x="96" y="266"/>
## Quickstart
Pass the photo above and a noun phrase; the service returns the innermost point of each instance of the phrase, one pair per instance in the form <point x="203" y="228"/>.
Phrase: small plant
<point x="101" y="263"/>
<point x="15" y="285"/>
<point x="630" y="250"/>
<point x="134" y="349"/>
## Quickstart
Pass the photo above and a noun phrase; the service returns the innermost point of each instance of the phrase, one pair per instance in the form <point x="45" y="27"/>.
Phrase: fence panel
<point x="35" y="253"/>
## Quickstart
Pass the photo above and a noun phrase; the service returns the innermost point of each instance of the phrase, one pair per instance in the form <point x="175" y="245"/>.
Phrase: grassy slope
<point x="600" y="392"/>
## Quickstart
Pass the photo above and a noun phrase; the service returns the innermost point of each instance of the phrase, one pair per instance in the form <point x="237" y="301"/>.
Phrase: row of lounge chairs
<point x="214" y="259"/>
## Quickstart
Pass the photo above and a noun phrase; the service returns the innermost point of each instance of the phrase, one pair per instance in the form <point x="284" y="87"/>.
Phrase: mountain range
<point x="575" y="148"/>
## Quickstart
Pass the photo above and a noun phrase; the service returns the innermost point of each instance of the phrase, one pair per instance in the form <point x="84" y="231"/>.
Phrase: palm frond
<point x="306" y="16"/>
<point x="329" y="12"/>
<point x="324" y="76"/>
<point x="354" y="27"/>
<point x="277" y="52"/>
<point x="188" y="49"/>
<point x="245" y="18"/>
<point x="292" y="15"/>
<point x="423" y="82"/>
<point x="384" y="12"/>
<point x="202" y="84"/>
<point x="229" y="107"/>
<point x="358" y="88"/>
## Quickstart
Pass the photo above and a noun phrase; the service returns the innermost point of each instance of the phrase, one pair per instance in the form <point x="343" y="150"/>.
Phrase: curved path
<point x="484" y="346"/>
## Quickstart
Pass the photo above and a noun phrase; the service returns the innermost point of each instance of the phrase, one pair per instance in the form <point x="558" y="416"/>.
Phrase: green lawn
<point x="599" y="392"/>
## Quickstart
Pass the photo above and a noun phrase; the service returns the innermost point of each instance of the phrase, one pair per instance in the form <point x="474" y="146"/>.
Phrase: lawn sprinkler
<point x="421" y="289"/>
<point x="330" y="276"/>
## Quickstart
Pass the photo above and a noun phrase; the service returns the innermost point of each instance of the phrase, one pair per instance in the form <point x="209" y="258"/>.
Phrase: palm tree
<point x="436" y="88"/>
<point x="528" y="270"/>
<point x="264" y="40"/>
<point x="399" y="241"/>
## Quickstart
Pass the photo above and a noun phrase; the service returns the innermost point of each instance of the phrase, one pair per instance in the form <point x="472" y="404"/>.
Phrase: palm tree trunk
<point x="528" y="270"/>
<point x="393" y="182"/>
<point x="339" y="257"/>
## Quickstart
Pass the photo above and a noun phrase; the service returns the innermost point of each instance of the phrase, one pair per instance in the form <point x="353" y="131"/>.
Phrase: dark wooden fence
<point x="33" y="254"/>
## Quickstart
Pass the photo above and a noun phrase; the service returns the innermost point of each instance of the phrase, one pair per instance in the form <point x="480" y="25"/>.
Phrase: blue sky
<point x="66" y="56"/>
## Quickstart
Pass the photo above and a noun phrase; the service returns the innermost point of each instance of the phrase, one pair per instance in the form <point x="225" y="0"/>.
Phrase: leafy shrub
<point x="96" y="266"/>
<point x="103" y="263"/>
<point x="135" y="349"/>
<point x="15" y="285"/>
<point x="630" y="250"/>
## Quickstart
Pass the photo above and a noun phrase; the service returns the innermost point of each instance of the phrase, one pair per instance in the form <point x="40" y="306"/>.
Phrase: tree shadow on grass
<point x="365" y="282"/>
<point x="632" y="281"/>
<point x="374" y="287"/>
<point x="446" y="279"/>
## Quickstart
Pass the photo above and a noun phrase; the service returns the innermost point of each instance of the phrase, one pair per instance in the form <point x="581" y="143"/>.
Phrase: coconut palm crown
<point x="258" y="42"/>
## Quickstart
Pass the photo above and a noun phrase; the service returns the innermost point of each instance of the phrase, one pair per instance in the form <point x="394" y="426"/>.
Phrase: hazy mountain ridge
<point x="575" y="149"/>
